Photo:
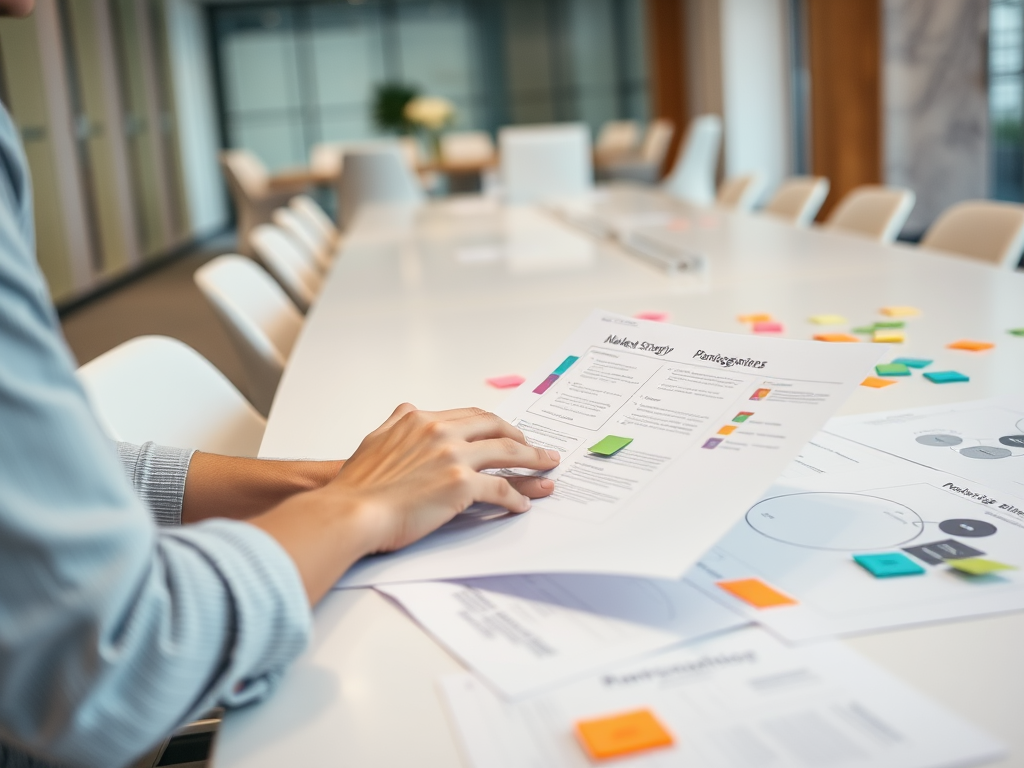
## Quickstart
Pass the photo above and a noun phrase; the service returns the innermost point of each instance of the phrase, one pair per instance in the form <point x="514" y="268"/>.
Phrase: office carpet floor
<point x="164" y="302"/>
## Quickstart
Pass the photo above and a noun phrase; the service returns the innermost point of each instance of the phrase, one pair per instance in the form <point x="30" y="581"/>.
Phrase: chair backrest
<point x="874" y="211"/>
<point x="378" y="176"/>
<point x="313" y="245"/>
<point x="308" y="209"/>
<point x="157" y="388"/>
<point x="325" y="158"/>
<point x="657" y="140"/>
<point x="545" y="161"/>
<point x="692" y="178"/>
<point x="986" y="230"/>
<point x="245" y="173"/>
<point x="798" y="199"/>
<point x="467" y="147"/>
<point x="261" y="320"/>
<point x="740" y="193"/>
<point x="617" y="137"/>
<point x="283" y="258"/>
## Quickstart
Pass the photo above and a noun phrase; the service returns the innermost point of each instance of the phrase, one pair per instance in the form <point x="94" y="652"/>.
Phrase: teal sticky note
<point x="913" y="362"/>
<point x="946" y="377"/>
<point x="610" y="444"/>
<point x="887" y="564"/>
<point x="566" y="365"/>
<point x="892" y="369"/>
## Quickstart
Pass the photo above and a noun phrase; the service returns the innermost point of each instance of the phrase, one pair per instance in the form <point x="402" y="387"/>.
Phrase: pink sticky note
<point x="505" y="382"/>
<point x="768" y="326"/>
<point x="679" y="225"/>
<point x="658" y="317"/>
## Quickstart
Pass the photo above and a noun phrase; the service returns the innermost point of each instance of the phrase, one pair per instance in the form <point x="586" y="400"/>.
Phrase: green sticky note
<point x="946" y="377"/>
<point x="913" y="362"/>
<point x="976" y="566"/>
<point x="889" y="324"/>
<point x="865" y="329"/>
<point x="892" y="369"/>
<point x="1017" y="331"/>
<point x="610" y="444"/>
<point x="888" y="564"/>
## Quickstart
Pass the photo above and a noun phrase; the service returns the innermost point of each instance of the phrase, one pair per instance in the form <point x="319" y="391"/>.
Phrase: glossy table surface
<point x="425" y="303"/>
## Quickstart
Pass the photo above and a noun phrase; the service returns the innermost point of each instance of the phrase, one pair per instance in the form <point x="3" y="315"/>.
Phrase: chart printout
<point x="886" y="520"/>
<point x="740" y="700"/>
<point x="708" y="419"/>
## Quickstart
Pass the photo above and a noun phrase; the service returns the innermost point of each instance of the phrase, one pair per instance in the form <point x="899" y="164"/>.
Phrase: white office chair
<point x="467" y="147"/>
<point x="740" y="193"/>
<point x="260" y="319"/>
<point x="692" y="178"/>
<point x="617" y="138"/>
<point x="985" y="230"/>
<point x="314" y="215"/>
<point x="283" y="258"/>
<point x="313" y="246"/>
<point x="249" y="185"/>
<point x="798" y="199"/>
<point x="545" y="161"/>
<point x="873" y="211"/>
<point x="378" y="176"/>
<point x="157" y="388"/>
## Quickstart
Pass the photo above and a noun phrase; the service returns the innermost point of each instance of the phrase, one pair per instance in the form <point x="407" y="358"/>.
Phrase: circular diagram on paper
<point x="846" y="522"/>
<point x="967" y="527"/>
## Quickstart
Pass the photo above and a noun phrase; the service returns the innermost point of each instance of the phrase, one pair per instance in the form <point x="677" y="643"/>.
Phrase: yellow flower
<point x="430" y="112"/>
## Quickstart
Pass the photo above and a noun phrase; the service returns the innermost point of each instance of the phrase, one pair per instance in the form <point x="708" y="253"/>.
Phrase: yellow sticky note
<point x="835" y="337"/>
<point x="758" y="318"/>
<point x="622" y="734"/>
<point x="973" y="346"/>
<point x="728" y="429"/>
<point x="900" y="311"/>
<point x="877" y="383"/>
<point x="886" y="336"/>
<point x="828" y="320"/>
<point x="756" y="593"/>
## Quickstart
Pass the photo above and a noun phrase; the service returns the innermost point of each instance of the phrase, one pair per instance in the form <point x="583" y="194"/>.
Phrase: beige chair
<point x="692" y="177"/>
<point x="873" y="211"/>
<point x="646" y="164"/>
<point x="986" y="230"/>
<point x="157" y="388"/>
<point x="252" y="192"/>
<point x="283" y="258"/>
<point x="260" y="319"/>
<point x="313" y="246"/>
<point x="740" y="193"/>
<point x="467" y="147"/>
<point x="798" y="199"/>
<point x="617" y="139"/>
<point x="314" y="215"/>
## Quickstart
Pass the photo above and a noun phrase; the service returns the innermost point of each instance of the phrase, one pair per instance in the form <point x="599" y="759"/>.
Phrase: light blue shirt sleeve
<point x="112" y="631"/>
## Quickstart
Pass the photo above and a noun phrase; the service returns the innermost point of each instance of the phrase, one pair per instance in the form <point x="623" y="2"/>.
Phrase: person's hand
<point x="421" y="468"/>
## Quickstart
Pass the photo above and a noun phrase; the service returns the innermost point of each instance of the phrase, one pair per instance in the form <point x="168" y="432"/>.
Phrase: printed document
<point x="525" y="633"/>
<point x="886" y="520"/>
<point x="740" y="700"/>
<point x="707" y="420"/>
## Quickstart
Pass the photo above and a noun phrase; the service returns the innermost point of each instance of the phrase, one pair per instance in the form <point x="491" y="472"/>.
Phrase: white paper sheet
<point x="741" y="700"/>
<point x="526" y="633"/>
<point x="842" y="498"/>
<point x="654" y="507"/>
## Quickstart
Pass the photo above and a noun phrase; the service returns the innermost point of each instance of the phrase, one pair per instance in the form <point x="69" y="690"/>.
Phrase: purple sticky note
<point x="544" y="385"/>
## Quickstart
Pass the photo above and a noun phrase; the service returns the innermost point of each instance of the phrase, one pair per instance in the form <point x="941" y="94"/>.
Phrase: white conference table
<point x="425" y="303"/>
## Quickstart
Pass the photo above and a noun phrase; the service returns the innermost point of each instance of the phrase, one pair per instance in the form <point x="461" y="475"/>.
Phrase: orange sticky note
<point x="973" y="346"/>
<point x="877" y="383"/>
<point x="834" y="337"/>
<point x="623" y="734"/>
<point x="756" y="593"/>
<point x="728" y="429"/>
<point x="900" y="311"/>
<point x="757" y="318"/>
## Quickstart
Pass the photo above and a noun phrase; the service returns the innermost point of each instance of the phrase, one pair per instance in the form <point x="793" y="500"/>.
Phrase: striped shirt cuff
<point x="157" y="473"/>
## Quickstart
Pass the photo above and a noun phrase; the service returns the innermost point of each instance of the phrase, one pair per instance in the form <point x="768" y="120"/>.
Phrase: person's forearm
<point x="227" y="486"/>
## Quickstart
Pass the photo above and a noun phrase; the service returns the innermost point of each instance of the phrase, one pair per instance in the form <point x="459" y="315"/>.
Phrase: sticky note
<point x="876" y="383"/>
<point x="622" y="734"/>
<point x="976" y="566"/>
<point x="887" y="564"/>
<point x="889" y="324"/>
<point x="742" y="416"/>
<point x="972" y="346"/>
<point x="867" y="329"/>
<point x="761" y="317"/>
<point x="945" y="377"/>
<point x="728" y="429"/>
<point x="768" y="326"/>
<point x="892" y="369"/>
<point x="610" y="444"/>
<point x="657" y="317"/>
<point x="1017" y="331"/>
<point x="712" y="442"/>
<point x="834" y="337"/>
<point x="900" y="311"/>
<point x="566" y="365"/>
<point x="756" y="593"/>
<point x="913" y="362"/>
<point x="828" y="320"/>
<point x="761" y="393"/>
<point x="505" y="382"/>
<point x="884" y="336"/>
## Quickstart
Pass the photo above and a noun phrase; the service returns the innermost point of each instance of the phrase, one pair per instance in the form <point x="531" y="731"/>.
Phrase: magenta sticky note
<point x="769" y="326"/>
<point x="543" y="386"/>
<point x="658" y="317"/>
<point x="505" y="382"/>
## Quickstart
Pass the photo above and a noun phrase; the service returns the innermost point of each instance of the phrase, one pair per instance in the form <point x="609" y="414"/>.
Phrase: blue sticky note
<point x="945" y="377"/>
<point x="887" y="564"/>
<point x="913" y="362"/>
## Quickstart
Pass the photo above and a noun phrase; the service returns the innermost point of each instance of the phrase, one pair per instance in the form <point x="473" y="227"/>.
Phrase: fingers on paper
<point x="505" y="452"/>
<point x="533" y="487"/>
